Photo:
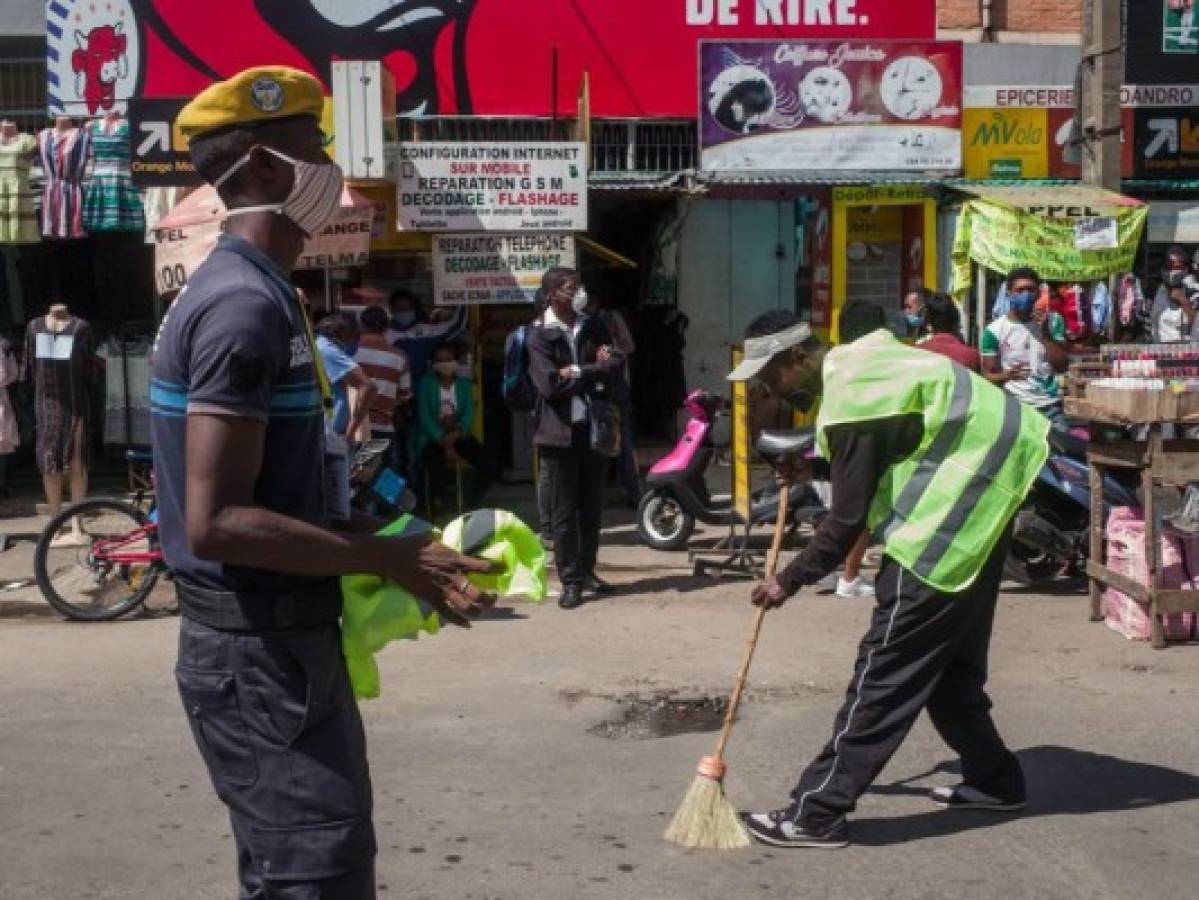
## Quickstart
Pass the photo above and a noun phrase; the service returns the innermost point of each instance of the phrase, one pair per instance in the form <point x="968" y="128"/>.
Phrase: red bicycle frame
<point x="111" y="550"/>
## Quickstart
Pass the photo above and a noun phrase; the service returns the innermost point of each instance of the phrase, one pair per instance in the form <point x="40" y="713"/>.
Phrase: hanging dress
<point x="62" y="365"/>
<point x="18" y="221"/>
<point x="9" y="373"/>
<point x="110" y="201"/>
<point x="64" y="157"/>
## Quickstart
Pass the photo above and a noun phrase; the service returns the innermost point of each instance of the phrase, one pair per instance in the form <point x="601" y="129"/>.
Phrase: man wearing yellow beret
<point x="253" y="520"/>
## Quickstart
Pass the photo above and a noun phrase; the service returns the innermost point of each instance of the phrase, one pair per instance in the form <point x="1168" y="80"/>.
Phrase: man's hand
<point x="604" y="353"/>
<point x="769" y="593"/>
<point x="566" y="373"/>
<point x="439" y="577"/>
<point x="1016" y="372"/>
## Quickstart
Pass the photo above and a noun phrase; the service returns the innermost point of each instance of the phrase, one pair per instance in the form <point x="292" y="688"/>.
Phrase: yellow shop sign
<point x="1006" y="143"/>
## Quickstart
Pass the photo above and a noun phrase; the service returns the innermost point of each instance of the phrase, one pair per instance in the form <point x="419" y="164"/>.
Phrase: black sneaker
<point x="597" y="585"/>
<point x="572" y="596"/>
<point x="963" y="796"/>
<point x="778" y="830"/>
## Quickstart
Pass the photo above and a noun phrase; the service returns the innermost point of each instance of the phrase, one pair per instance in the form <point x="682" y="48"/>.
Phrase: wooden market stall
<point x="1154" y="392"/>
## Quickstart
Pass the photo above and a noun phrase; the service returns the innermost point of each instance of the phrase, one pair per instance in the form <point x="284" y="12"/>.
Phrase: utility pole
<point x="1102" y="78"/>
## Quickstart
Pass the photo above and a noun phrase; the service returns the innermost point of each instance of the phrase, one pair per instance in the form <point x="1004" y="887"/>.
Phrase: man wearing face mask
<point x="247" y="508"/>
<point x="571" y="361"/>
<point x="1166" y="316"/>
<point x="1024" y="351"/>
<point x="934" y="461"/>
<point x="915" y="306"/>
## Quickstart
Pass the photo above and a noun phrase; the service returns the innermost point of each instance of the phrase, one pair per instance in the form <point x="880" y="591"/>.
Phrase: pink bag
<point x="1126" y="556"/>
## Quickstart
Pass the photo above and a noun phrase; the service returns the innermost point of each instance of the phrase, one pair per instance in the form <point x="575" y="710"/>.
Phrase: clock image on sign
<point x="911" y="88"/>
<point x="825" y="94"/>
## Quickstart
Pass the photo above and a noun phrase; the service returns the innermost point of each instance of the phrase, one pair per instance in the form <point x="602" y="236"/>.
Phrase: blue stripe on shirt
<point x="167" y="398"/>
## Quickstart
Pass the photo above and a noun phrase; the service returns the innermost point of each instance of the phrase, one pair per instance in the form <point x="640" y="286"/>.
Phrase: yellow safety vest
<point x="940" y="511"/>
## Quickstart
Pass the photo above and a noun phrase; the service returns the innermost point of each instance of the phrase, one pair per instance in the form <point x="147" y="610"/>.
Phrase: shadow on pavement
<point x="500" y="614"/>
<point x="1062" y="781"/>
<point x="1058" y="587"/>
<point x="681" y="583"/>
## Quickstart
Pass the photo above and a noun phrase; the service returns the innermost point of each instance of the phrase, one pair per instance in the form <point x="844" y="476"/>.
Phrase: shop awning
<point x="1070" y="232"/>
<point x="1053" y="200"/>
<point x="649" y="182"/>
<point x="608" y="255"/>
<point x="829" y="178"/>
<point x="1173" y="223"/>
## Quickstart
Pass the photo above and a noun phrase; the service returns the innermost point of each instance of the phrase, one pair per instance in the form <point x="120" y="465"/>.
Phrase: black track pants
<point x="924" y="650"/>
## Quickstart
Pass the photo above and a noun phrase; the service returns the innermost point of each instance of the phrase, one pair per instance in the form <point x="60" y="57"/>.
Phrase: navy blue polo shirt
<point x="234" y="343"/>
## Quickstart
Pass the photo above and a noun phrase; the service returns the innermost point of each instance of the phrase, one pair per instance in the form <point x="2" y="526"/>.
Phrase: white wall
<point x="729" y="272"/>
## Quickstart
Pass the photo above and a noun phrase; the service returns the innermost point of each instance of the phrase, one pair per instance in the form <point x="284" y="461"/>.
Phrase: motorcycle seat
<point x="1064" y="442"/>
<point x="776" y="445"/>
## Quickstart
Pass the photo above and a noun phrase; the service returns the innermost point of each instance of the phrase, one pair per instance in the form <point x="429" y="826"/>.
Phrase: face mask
<point x="405" y="319"/>
<point x="1023" y="302"/>
<point x="579" y="302"/>
<point x="314" y="196"/>
<point x="915" y="320"/>
<point x="447" y="369"/>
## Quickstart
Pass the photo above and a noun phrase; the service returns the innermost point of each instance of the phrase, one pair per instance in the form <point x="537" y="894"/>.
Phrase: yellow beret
<point x="253" y="95"/>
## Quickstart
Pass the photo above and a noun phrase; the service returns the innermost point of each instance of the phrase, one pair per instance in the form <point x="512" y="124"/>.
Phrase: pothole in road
<point x="646" y="717"/>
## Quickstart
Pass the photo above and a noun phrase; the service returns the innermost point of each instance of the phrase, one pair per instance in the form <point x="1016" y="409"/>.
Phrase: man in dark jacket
<point x="571" y="362"/>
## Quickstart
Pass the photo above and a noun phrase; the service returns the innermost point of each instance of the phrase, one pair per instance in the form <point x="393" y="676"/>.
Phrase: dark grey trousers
<point x="276" y="721"/>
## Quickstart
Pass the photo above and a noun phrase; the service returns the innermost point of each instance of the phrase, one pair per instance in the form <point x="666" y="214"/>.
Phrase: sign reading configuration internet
<point x="493" y="187"/>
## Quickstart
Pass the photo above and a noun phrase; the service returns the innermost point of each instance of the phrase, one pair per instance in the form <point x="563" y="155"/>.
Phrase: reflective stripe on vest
<point x="940" y="511"/>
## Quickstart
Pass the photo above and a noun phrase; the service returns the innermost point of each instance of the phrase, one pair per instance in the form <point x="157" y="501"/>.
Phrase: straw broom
<point x="706" y="819"/>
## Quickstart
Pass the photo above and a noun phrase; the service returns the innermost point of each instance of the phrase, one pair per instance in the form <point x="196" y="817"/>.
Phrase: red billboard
<point x="481" y="57"/>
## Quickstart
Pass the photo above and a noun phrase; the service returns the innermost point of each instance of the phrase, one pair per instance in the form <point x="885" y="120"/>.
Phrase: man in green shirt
<point x="1024" y="351"/>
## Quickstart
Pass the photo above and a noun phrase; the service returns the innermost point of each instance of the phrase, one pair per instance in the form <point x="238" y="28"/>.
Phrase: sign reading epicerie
<point x="792" y="105"/>
<point x="481" y="269"/>
<point x="493" y="187"/>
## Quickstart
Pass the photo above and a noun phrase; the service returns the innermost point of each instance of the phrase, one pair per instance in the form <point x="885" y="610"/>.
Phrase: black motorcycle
<point x="1052" y="533"/>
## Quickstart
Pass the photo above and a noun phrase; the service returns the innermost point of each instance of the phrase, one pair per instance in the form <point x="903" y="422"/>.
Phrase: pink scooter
<point x="676" y="493"/>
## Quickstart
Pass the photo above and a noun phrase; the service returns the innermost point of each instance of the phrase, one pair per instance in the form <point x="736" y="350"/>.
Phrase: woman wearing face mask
<point x="571" y="361"/>
<point x="445" y="412"/>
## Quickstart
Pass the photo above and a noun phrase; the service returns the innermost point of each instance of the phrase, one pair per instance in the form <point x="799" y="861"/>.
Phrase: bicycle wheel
<point x="97" y="560"/>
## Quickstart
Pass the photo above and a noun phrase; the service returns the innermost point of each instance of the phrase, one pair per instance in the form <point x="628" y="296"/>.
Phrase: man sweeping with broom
<point x="935" y="461"/>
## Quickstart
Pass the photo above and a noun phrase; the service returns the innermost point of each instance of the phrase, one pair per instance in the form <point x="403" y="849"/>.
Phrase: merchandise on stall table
<point x="1126" y="556"/>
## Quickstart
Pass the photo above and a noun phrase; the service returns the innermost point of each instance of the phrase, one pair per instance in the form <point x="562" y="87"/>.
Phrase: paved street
<point x="490" y="783"/>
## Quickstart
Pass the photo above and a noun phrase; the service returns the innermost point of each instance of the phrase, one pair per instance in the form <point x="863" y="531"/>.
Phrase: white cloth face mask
<point x="314" y="196"/>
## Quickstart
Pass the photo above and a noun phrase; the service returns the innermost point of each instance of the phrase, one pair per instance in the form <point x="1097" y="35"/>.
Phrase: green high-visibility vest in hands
<point x="940" y="512"/>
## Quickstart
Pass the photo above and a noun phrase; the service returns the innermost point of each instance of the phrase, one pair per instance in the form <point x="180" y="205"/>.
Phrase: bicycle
<point x="100" y="559"/>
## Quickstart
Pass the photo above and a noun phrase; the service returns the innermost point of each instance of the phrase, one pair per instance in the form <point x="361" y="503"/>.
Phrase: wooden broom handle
<point x="772" y="563"/>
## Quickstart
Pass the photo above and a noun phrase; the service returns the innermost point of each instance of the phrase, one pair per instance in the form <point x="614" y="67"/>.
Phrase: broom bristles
<point x="706" y="820"/>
